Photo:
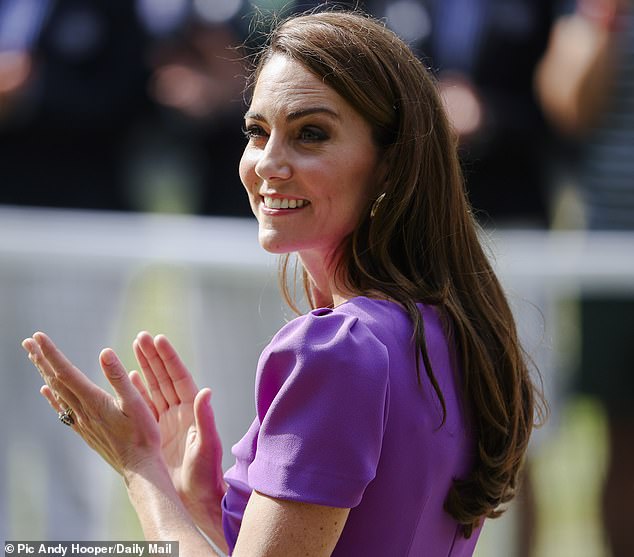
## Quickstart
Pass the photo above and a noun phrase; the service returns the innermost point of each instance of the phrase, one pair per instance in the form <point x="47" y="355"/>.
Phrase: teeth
<point x="283" y="203"/>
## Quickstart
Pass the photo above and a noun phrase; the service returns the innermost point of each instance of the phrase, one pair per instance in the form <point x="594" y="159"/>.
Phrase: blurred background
<point x="121" y="209"/>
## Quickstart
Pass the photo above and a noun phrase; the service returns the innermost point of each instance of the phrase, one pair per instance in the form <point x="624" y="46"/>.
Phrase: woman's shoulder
<point x="360" y="326"/>
<point x="383" y="315"/>
<point x="341" y="329"/>
<point x="326" y="349"/>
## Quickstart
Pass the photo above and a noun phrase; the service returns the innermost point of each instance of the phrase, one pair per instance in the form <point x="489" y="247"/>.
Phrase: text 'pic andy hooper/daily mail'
<point x="90" y="548"/>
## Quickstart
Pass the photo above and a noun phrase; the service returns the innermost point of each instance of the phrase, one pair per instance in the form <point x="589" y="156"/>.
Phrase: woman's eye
<point x="312" y="134"/>
<point x="253" y="132"/>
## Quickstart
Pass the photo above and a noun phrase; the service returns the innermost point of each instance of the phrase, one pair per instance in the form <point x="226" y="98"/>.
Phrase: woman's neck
<point x="321" y="272"/>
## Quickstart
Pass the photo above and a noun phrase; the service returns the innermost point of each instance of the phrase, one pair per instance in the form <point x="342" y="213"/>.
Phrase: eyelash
<point x="255" y="131"/>
<point x="316" y="133"/>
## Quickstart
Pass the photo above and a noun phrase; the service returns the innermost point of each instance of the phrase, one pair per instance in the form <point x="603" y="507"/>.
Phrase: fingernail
<point x="107" y="357"/>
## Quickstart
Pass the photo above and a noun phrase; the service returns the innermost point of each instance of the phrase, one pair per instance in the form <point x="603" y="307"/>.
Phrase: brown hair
<point x="421" y="244"/>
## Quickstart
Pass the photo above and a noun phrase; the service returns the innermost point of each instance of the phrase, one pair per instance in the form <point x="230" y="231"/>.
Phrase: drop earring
<point x="376" y="204"/>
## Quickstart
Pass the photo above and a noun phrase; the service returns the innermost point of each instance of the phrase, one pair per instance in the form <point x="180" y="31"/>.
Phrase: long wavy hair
<point x="420" y="243"/>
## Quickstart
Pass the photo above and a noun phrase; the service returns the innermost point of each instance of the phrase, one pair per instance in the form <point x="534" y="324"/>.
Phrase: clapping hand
<point x="190" y="443"/>
<point x="120" y="428"/>
<point x="164" y="421"/>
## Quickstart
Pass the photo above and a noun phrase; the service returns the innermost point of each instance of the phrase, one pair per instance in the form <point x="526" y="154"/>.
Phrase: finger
<point x="61" y="381"/>
<point x="137" y="381"/>
<point x="207" y="439"/>
<point x="37" y="359"/>
<point x="47" y="393"/>
<point x="164" y="381"/>
<point x="132" y="412"/>
<point x="117" y="376"/>
<point x="205" y="419"/>
<point x="53" y="354"/>
<point x="154" y="388"/>
<point x="181" y="377"/>
<point x="62" y="407"/>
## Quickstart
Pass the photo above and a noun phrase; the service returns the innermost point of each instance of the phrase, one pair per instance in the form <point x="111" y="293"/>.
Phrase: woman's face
<point x="310" y="163"/>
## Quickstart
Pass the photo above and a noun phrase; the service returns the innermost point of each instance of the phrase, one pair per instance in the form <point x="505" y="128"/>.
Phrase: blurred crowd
<point x="122" y="105"/>
<point x="136" y="105"/>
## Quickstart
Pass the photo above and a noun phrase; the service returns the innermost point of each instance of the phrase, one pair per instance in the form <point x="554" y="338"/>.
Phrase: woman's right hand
<point x="190" y="442"/>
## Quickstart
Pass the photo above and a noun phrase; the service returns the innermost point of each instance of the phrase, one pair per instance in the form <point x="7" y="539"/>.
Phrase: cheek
<point x="363" y="185"/>
<point x="246" y="169"/>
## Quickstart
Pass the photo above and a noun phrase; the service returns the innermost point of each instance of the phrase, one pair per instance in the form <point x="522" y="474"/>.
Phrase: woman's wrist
<point x="162" y="514"/>
<point x="206" y="512"/>
<point x="148" y="472"/>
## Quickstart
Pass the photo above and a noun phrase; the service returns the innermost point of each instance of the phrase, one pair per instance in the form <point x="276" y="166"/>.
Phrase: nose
<point x="273" y="162"/>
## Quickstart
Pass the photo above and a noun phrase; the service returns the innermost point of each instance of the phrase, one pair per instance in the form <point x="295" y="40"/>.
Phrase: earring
<point x="376" y="204"/>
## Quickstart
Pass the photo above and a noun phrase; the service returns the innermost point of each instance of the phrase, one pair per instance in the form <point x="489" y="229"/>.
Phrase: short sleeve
<point x="322" y="395"/>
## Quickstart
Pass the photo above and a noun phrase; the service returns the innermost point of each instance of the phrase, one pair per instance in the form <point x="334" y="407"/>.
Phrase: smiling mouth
<point x="284" y="203"/>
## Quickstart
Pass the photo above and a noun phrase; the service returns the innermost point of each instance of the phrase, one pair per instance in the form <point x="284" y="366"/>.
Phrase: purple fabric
<point x="341" y="421"/>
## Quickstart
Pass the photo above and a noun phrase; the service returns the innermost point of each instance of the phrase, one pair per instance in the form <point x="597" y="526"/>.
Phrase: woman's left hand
<point x="121" y="428"/>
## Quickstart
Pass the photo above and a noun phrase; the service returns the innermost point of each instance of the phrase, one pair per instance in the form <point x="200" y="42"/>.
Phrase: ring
<point x="66" y="417"/>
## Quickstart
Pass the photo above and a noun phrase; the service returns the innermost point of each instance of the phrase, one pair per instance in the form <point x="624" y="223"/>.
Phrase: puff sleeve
<point x="322" y="399"/>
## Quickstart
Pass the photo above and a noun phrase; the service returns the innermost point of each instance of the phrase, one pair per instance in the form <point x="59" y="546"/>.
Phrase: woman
<point x="394" y="416"/>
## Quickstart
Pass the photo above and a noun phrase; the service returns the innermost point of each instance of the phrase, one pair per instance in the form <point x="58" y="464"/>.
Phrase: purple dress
<point x="341" y="421"/>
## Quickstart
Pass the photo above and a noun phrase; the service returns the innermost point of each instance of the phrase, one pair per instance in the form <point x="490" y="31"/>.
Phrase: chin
<point x="275" y="245"/>
<point x="275" y="250"/>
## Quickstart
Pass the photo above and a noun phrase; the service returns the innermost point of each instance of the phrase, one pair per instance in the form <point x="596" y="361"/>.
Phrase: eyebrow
<point x="296" y="115"/>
